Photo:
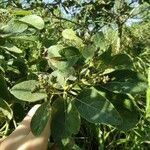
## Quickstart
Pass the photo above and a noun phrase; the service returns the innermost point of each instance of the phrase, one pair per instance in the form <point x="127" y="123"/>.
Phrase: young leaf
<point x="40" y="119"/>
<point x="96" y="109"/>
<point x="25" y="91"/>
<point x="65" y="120"/>
<point x="34" y="21"/>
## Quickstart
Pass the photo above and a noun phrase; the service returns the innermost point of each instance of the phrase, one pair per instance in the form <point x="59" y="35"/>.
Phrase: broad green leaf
<point x="14" y="26"/>
<point x="34" y="21"/>
<point x="96" y="108"/>
<point x="148" y="102"/>
<point x="128" y="113"/>
<point x="65" y="120"/>
<point x="124" y="106"/>
<point x="62" y="58"/>
<point x="106" y="56"/>
<point x="69" y="34"/>
<point x="72" y="55"/>
<point x="26" y="91"/>
<point x="88" y="51"/>
<point x="121" y="59"/>
<point x="11" y="48"/>
<point x="54" y="58"/>
<point x="53" y="51"/>
<point x="60" y="77"/>
<point x="99" y="40"/>
<point x="4" y="93"/>
<point x="125" y="81"/>
<point x="5" y="109"/>
<point x="40" y="119"/>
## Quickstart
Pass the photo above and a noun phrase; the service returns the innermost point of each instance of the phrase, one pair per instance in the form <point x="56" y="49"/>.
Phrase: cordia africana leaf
<point x="125" y="81"/>
<point x="96" y="108"/>
<point x="40" y="119"/>
<point x="25" y="91"/>
<point x="34" y="21"/>
<point x="125" y="106"/>
<point x="65" y="120"/>
<point x="14" y="26"/>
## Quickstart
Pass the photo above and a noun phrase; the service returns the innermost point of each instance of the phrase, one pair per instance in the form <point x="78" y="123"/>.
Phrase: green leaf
<point x="125" y="81"/>
<point x="106" y="56"/>
<point x="72" y="54"/>
<point x="34" y="21"/>
<point x="99" y="40"/>
<point x="53" y="51"/>
<point x="11" y="48"/>
<point x="14" y="26"/>
<point x="40" y="119"/>
<point x="126" y="108"/>
<point x="88" y="51"/>
<point x="55" y="60"/>
<point x="62" y="58"/>
<point x="4" y="93"/>
<point x="5" y="109"/>
<point x="67" y="144"/>
<point x="148" y="103"/>
<point x="24" y="38"/>
<point x="96" y="108"/>
<point x="21" y="12"/>
<point x="65" y="120"/>
<point x="69" y="34"/>
<point x="61" y="77"/>
<point x="25" y="91"/>
<point x="128" y="113"/>
<point x="121" y="59"/>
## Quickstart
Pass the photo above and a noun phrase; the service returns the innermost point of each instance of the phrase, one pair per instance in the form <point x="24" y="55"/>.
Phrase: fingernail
<point x="33" y="110"/>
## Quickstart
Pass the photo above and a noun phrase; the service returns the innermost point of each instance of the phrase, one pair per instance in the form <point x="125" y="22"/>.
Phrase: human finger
<point x="20" y="132"/>
<point x="36" y="142"/>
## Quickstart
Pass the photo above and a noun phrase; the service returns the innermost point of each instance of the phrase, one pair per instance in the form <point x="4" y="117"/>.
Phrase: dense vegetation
<point x="86" y="62"/>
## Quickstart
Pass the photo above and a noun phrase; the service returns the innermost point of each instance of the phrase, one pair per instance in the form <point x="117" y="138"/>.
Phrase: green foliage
<point x="28" y="91"/>
<point x="30" y="20"/>
<point x="65" y="120"/>
<point x="96" y="108"/>
<point x="40" y="119"/>
<point x="84" y="64"/>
